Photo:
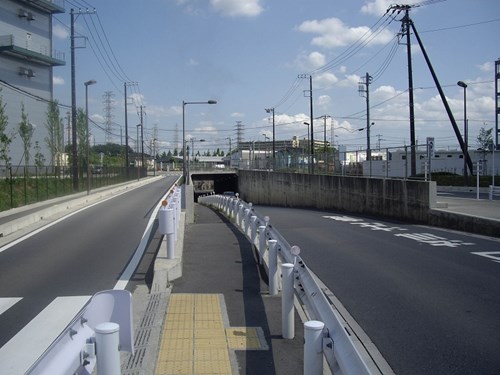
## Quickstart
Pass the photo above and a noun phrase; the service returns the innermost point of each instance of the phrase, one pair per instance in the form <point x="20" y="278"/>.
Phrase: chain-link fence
<point x="390" y="162"/>
<point x="25" y="185"/>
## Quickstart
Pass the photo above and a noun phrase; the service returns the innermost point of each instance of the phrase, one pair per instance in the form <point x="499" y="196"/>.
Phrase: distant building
<point x="26" y="63"/>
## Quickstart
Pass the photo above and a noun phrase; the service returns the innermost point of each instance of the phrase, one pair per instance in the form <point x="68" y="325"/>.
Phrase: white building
<point x="397" y="163"/>
<point x="26" y="63"/>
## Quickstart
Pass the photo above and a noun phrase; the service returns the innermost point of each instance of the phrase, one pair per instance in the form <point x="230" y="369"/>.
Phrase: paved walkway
<point x="473" y="207"/>
<point x="220" y="317"/>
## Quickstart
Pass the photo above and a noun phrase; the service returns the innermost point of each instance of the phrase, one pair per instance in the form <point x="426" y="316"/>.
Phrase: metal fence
<point x="25" y="185"/>
<point x="389" y="162"/>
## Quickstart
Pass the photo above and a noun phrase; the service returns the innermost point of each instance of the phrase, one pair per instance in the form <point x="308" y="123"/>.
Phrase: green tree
<point x="39" y="157"/>
<point x="26" y="134"/>
<point x="83" y="142"/>
<point x="485" y="141"/>
<point x="5" y="139"/>
<point x="54" y="126"/>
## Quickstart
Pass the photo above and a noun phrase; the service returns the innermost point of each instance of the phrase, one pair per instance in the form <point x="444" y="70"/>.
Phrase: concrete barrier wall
<point x="401" y="199"/>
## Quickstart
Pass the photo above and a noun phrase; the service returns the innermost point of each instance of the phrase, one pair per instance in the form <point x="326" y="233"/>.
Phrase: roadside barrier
<point x="326" y="333"/>
<point x="494" y="191"/>
<point x="104" y="327"/>
<point x="96" y="335"/>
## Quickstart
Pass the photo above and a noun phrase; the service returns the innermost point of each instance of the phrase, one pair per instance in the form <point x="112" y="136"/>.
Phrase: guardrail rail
<point x="344" y="353"/>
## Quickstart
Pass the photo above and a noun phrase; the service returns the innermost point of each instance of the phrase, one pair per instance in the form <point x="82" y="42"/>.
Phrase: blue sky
<point x="248" y="54"/>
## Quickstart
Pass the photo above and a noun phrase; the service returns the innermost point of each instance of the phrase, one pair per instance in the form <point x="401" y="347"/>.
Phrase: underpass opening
<point x="217" y="183"/>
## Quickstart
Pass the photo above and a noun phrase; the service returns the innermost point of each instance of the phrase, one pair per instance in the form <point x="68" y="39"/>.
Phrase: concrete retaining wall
<point x="400" y="199"/>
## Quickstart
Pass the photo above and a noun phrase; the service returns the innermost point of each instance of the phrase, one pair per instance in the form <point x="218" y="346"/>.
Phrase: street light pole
<point x="87" y="84"/>
<point x="464" y="86"/>
<point x="184" y="103"/>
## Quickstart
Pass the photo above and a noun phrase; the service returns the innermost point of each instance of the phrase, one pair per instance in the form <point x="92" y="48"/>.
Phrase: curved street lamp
<point x="184" y="103"/>
<point x="87" y="84"/>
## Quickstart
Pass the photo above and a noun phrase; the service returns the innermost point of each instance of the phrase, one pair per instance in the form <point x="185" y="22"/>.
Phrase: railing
<point x="30" y="184"/>
<point x="494" y="191"/>
<point x="342" y="351"/>
<point x="105" y="326"/>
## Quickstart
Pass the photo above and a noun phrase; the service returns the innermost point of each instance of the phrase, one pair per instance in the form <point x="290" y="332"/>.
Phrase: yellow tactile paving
<point x="195" y="340"/>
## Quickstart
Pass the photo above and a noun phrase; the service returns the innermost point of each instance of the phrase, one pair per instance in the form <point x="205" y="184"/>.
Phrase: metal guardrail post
<point x="287" y="312"/>
<point x="313" y="347"/>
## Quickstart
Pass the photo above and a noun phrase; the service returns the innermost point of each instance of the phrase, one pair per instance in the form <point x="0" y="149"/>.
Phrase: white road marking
<point x="493" y="255"/>
<point x="7" y="303"/>
<point x="28" y="345"/>
<point x="139" y="252"/>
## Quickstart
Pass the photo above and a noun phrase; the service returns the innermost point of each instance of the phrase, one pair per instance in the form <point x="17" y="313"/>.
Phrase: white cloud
<point x="323" y="101"/>
<point x="236" y="8"/>
<point x="237" y="115"/>
<point x="377" y="7"/>
<point x="317" y="59"/>
<point x="325" y="80"/>
<point x="60" y="32"/>
<point x="486" y="67"/>
<point x="58" y="81"/>
<point x="334" y="33"/>
<point x="193" y="62"/>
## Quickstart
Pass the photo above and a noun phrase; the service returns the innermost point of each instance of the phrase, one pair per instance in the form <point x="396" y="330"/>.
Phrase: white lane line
<point x="28" y="345"/>
<point x="41" y="229"/>
<point x="493" y="255"/>
<point x="7" y="303"/>
<point x="139" y="252"/>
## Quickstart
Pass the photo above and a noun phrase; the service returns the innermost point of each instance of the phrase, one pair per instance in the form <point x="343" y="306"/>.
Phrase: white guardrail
<point x="104" y="327"/>
<point x="326" y="333"/>
<point x="494" y="191"/>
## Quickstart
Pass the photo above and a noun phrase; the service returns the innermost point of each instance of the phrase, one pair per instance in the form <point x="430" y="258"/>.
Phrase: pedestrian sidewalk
<point x="220" y="317"/>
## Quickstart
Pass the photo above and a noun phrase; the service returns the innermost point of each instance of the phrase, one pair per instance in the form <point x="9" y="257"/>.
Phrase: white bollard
<point x="262" y="242"/>
<point x="273" y="267"/>
<point x="287" y="312"/>
<point x="107" y="337"/>
<point x="253" y="229"/>
<point x="313" y="347"/>
<point x="170" y="233"/>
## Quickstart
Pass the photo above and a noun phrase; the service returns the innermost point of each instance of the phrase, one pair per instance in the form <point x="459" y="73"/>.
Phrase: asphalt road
<point x="424" y="296"/>
<point x="79" y="256"/>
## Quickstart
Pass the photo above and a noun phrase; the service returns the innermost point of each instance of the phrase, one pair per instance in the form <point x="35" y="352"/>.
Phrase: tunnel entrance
<point x="218" y="183"/>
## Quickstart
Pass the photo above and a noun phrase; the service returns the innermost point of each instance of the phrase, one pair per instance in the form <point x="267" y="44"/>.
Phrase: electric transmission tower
<point x="108" y="102"/>
<point x="239" y="133"/>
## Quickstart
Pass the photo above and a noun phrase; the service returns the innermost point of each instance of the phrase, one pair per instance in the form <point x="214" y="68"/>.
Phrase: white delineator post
<point x="107" y="337"/>
<point x="287" y="312"/>
<point x="313" y="347"/>
<point x="170" y="233"/>
<point x="273" y="267"/>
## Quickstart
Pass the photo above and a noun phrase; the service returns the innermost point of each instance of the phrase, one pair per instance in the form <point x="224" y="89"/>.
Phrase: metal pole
<point x="107" y="348"/>
<point x="74" y="147"/>
<point x="287" y="312"/>
<point x="313" y="347"/>
<point x="273" y="267"/>
<point x="87" y="134"/>
<point x="126" y="133"/>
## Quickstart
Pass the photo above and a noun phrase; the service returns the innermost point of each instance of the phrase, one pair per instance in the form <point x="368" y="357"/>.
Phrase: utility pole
<point x="73" y="97"/>
<point x="364" y="88"/>
<point x="126" y="131"/>
<point x="311" y="116"/>
<point x="142" y="137"/>
<point x="269" y="110"/>
<point x="497" y="102"/>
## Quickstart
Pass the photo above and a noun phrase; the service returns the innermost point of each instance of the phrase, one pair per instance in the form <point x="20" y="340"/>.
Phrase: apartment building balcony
<point x="46" y="6"/>
<point x="43" y="56"/>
